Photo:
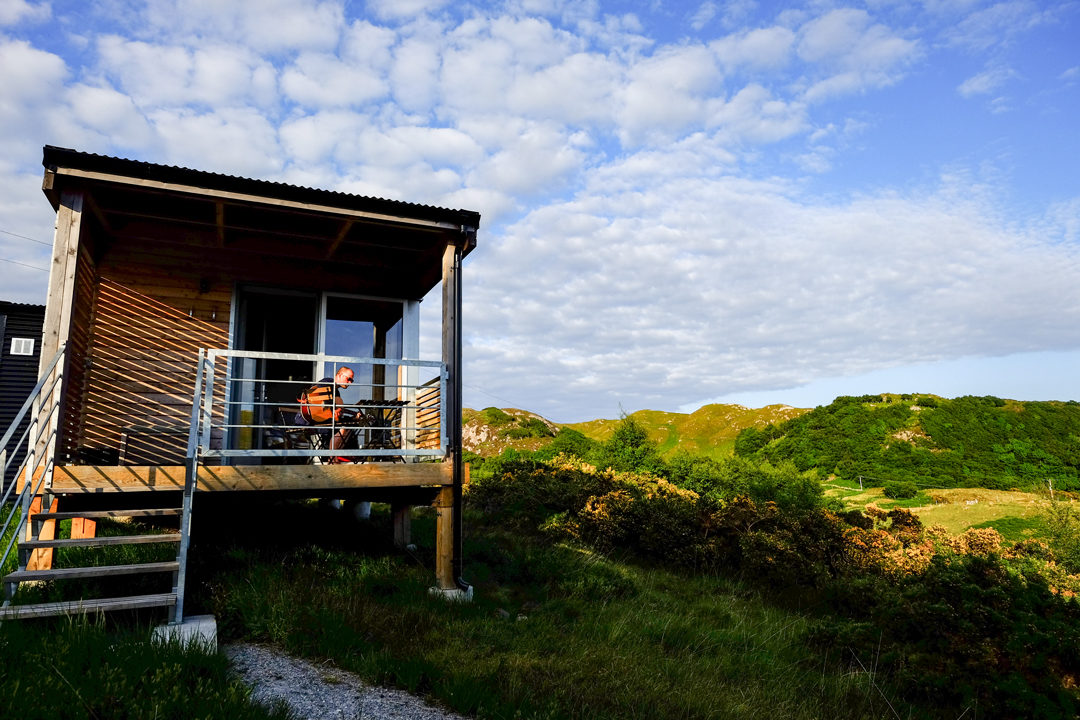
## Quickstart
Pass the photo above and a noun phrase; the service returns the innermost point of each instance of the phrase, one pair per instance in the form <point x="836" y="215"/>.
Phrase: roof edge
<point x="54" y="157"/>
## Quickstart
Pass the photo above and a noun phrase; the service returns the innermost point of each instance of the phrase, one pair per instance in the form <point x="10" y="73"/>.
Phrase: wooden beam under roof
<point x="257" y="199"/>
<point x="219" y="217"/>
<point x="345" y="228"/>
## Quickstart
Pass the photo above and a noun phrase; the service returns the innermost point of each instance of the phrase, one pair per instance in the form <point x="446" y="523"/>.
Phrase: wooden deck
<point x="95" y="479"/>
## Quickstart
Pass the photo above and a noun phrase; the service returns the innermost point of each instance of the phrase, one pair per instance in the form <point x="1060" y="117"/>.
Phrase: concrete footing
<point x="453" y="594"/>
<point x="195" y="630"/>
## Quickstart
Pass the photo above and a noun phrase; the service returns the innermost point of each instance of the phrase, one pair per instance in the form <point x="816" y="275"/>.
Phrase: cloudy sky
<point x="683" y="202"/>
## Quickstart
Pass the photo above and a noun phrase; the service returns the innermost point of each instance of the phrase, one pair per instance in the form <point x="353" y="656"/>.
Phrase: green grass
<point x="76" y="669"/>
<point x="554" y="631"/>
<point x="1016" y="515"/>
<point x="1014" y="529"/>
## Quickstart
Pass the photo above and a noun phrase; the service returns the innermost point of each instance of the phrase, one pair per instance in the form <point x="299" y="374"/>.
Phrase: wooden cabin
<point x="192" y="308"/>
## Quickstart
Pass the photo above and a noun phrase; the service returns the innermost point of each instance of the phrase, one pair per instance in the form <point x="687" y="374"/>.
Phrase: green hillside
<point x="710" y="430"/>
<point x="934" y="442"/>
<point x="931" y="441"/>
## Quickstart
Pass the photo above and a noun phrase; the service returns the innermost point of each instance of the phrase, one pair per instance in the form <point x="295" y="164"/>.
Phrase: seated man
<point x="321" y="403"/>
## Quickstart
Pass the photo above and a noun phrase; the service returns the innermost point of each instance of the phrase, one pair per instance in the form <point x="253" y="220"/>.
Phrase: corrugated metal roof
<point x="23" y="306"/>
<point x="56" y="157"/>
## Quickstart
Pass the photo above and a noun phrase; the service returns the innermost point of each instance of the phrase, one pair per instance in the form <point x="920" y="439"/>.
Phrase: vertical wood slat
<point x="79" y="349"/>
<point x="58" y="307"/>
<point x="61" y="276"/>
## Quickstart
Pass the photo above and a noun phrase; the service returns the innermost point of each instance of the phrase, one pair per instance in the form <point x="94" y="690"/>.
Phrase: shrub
<point x="630" y="450"/>
<point x="569" y="443"/>
<point x="656" y="521"/>
<point x="1063" y="524"/>
<point x="495" y="417"/>
<point x="901" y="489"/>
<point x="529" y="427"/>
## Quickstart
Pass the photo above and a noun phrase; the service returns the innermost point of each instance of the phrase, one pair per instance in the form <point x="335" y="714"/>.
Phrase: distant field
<point x="1016" y="515"/>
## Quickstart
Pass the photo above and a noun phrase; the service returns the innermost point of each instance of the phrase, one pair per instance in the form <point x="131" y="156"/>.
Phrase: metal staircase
<point x="33" y="508"/>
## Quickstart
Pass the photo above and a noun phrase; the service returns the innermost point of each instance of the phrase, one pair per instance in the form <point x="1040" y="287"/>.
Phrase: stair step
<point x="77" y="607"/>
<point x="94" y="514"/>
<point x="102" y="541"/>
<point x="88" y="572"/>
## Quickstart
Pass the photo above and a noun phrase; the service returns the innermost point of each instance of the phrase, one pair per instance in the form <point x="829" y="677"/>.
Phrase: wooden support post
<point x="41" y="559"/>
<point x="444" y="540"/>
<point x="83" y="528"/>
<point x="58" y="309"/>
<point x="451" y="347"/>
<point x="402" y="514"/>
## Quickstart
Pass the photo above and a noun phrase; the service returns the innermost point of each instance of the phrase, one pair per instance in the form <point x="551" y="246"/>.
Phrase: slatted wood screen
<point x="428" y="406"/>
<point x="78" y="348"/>
<point x="146" y="328"/>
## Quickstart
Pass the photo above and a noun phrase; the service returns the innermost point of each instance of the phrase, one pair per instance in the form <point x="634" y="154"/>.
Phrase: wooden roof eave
<point x="56" y="177"/>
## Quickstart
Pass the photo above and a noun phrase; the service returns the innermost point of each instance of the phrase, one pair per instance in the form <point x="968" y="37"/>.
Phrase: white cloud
<point x="690" y="288"/>
<point x="236" y="141"/>
<point x="415" y="74"/>
<point x="539" y="157"/>
<point x="760" y="48"/>
<point x="110" y="113"/>
<point x="666" y="94"/>
<point x="320" y="80"/>
<point x="32" y="81"/>
<point x="703" y="15"/>
<point x="316" y="138"/>
<point x="26" y="212"/>
<point x="271" y="26"/>
<point x="999" y="24"/>
<point x="13" y="12"/>
<point x="854" y="53"/>
<point x="368" y="45"/>
<point x="986" y="82"/>
<point x="173" y="75"/>
<point x="578" y="90"/>
<point x="402" y="9"/>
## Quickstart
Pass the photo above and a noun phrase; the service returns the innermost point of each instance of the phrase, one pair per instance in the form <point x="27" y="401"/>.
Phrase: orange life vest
<point x="317" y="403"/>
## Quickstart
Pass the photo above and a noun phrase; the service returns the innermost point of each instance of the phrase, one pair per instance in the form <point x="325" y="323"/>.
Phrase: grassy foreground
<point x="554" y="632"/>
<point x="80" y="669"/>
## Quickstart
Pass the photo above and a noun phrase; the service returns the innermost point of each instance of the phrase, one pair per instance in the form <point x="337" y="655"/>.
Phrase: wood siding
<point x="82" y="311"/>
<point x="149" y="320"/>
<point x="428" y="408"/>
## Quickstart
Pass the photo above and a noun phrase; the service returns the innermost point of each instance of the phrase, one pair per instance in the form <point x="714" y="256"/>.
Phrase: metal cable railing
<point x="387" y="413"/>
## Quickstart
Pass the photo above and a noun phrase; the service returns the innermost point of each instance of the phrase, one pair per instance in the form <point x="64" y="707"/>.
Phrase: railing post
<point x="190" y="480"/>
<point x="208" y="400"/>
<point x="30" y="462"/>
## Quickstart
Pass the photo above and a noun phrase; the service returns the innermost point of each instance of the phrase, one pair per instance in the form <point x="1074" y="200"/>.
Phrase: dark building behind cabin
<point x="20" y="329"/>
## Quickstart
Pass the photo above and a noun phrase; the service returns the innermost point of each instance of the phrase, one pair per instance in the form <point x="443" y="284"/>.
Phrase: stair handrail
<point x="20" y="506"/>
<point x="191" y="464"/>
<point x="33" y="396"/>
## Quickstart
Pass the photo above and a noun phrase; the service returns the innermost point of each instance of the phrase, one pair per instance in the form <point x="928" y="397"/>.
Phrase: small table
<point x="376" y="424"/>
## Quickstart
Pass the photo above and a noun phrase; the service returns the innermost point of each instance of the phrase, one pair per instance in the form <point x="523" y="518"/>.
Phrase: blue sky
<point x="682" y="202"/>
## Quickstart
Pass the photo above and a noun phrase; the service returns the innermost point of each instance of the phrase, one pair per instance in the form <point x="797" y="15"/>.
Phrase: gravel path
<point x="317" y="692"/>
